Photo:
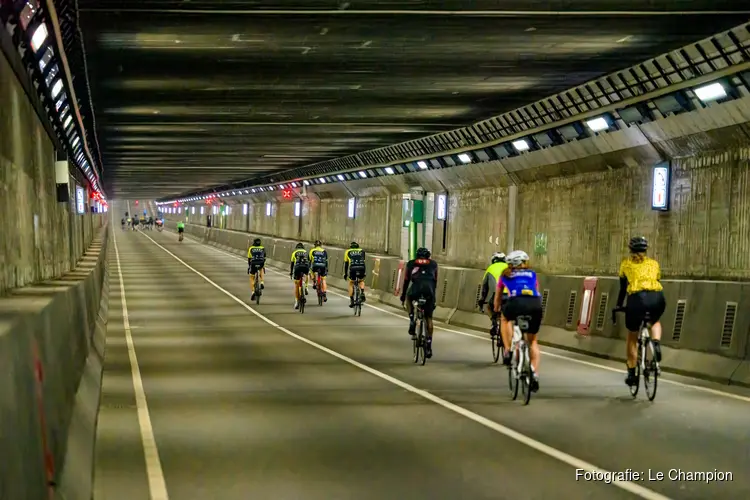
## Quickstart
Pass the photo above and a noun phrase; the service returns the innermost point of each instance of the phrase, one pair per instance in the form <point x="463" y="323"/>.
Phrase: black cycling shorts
<point x="256" y="266"/>
<point x="514" y="307"/>
<point x="321" y="269"/>
<point x="180" y="229"/>
<point x="491" y="302"/>
<point x="357" y="272"/>
<point x="301" y="271"/>
<point x="641" y="303"/>
<point x="425" y="291"/>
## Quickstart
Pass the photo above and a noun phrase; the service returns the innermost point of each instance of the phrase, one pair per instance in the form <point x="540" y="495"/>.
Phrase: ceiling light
<point x="422" y="165"/>
<point x="710" y="92"/>
<point x="75" y="141"/>
<point x="521" y="145"/>
<point x="56" y="88"/>
<point x="597" y="124"/>
<point x="67" y="121"/>
<point x="294" y="184"/>
<point x="363" y="174"/>
<point x="464" y="158"/>
<point x="46" y="58"/>
<point x="389" y="170"/>
<point x="245" y="191"/>
<point x="322" y="180"/>
<point x="340" y="177"/>
<point x="281" y="186"/>
<point x="306" y="182"/>
<point x="253" y="190"/>
<point x="39" y="36"/>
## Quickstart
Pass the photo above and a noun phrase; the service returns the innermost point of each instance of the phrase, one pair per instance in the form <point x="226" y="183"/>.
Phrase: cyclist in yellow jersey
<point x="298" y="270"/>
<point x="355" y="268"/>
<point x="256" y="263"/>
<point x="319" y="261"/>
<point x="489" y="284"/>
<point x="639" y="280"/>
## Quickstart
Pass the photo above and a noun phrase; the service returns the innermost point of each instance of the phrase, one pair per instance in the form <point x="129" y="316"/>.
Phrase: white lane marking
<point x="577" y="463"/>
<point x="156" y="484"/>
<point x="708" y="390"/>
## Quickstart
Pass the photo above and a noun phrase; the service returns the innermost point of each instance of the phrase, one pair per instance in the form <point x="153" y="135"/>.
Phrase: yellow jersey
<point x="642" y="276"/>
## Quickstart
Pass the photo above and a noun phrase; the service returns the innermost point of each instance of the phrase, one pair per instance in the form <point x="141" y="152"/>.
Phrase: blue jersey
<point x="520" y="283"/>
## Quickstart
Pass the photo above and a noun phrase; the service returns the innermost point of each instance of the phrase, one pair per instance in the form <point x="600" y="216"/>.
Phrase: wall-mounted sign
<point x="660" y="187"/>
<point x="350" y="208"/>
<point x="442" y="207"/>
<point x="80" y="208"/>
<point x="287" y="194"/>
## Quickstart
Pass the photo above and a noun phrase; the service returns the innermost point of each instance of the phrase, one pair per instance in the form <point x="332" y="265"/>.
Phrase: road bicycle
<point x="420" y="338"/>
<point x="520" y="372"/>
<point x="646" y="365"/>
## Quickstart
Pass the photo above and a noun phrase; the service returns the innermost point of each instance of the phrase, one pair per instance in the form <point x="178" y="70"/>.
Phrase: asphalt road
<point x="327" y="406"/>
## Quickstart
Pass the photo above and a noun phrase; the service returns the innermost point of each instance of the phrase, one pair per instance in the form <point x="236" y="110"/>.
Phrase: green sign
<point x="540" y="243"/>
<point x="417" y="214"/>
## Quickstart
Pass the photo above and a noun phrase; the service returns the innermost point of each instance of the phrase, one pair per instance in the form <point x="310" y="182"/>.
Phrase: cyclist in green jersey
<point x="180" y="229"/>
<point x="489" y="284"/>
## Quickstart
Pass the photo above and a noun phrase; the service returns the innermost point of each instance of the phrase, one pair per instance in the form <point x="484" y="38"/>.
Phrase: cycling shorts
<point x="641" y="303"/>
<point x="180" y="229"/>
<point x="357" y="272"/>
<point x="321" y="269"/>
<point x="257" y="265"/>
<point x="491" y="302"/>
<point x="514" y="307"/>
<point x="301" y="271"/>
<point x="425" y="291"/>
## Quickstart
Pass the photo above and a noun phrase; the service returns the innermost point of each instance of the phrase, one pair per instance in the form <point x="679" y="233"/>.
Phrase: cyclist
<point x="489" y="284"/>
<point x="521" y="284"/>
<point x="640" y="280"/>
<point x="180" y="229"/>
<point x="420" y="281"/>
<point x="299" y="269"/>
<point x="122" y="223"/>
<point x="355" y="268"/>
<point x="319" y="259"/>
<point x="256" y="262"/>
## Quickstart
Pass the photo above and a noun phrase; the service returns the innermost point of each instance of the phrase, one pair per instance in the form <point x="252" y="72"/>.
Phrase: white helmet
<point x="517" y="257"/>
<point x="497" y="257"/>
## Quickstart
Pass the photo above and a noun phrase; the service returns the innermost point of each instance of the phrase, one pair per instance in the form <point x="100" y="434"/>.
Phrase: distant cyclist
<point x="640" y="279"/>
<point x="298" y="271"/>
<point x="319" y="260"/>
<point x="256" y="263"/>
<point x="420" y="282"/>
<point x="180" y="229"/>
<point x="489" y="284"/>
<point x="522" y="286"/>
<point x="355" y="268"/>
<point x="122" y="223"/>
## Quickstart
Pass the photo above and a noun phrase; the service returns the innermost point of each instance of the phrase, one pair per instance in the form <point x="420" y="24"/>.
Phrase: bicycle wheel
<point x="526" y="375"/>
<point x="496" y="341"/>
<point x="302" y="302"/>
<point x="513" y="375"/>
<point x="650" y="373"/>
<point x="422" y="342"/>
<point x="415" y="343"/>
<point x="634" y="388"/>
<point x="356" y="298"/>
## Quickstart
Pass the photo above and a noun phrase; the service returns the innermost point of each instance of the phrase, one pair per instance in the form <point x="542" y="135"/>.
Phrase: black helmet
<point x="256" y="242"/>
<point x="638" y="244"/>
<point x="423" y="253"/>
<point x="317" y="243"/>
<point x="299" y="245"/>
<point x="353" y="244"/>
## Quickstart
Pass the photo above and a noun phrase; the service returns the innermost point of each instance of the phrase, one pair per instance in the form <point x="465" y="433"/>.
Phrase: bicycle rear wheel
<point x="650" y="373"/>
<point x="513" y="376"/>
<point x="422" y="342"/>
<point x="496" y="341"/>
<point x="526" y="375"/>
<point x="302" y="301"/>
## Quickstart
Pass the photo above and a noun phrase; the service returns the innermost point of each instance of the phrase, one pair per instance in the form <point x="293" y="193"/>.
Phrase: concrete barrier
<point x="51" y="339"/>
<point x="706" y="324"/>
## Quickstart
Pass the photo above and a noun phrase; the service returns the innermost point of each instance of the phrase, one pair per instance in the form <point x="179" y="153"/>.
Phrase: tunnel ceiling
<point x="188" y="96"/>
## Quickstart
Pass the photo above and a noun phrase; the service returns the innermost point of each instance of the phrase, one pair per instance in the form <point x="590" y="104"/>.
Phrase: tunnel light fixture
<point x="710" y="92"/>
<point x="362" y="174"/>
<point x="202" y="210"/>
<point x="389" y="170"/>
<point x="465" y="158"/>
<point x="340" y="177"/>
<point x="598" y="124"/>
<point x="322" y="180"/>
<point x="294" y="184"/>
<point x="192" y="210"/>
<point x="297" y="208"/>
<point x="39" y="37"/>
<point x="268" y="209"/>
<point x="244" y="209"/>
<point x="246" y="191"/>
<point x="46" y="58"/>
<point x="252" y="190"/>
<point x="281" y="186"/>
<point x="422" y="164"/>
<point x="306" y="182"/>
<point x="75" y="141"/>
<point x="350" y="208"/>
<point x="56" y="88"/>
<point x="521" y="145"/>
<point x="67" y="121"/>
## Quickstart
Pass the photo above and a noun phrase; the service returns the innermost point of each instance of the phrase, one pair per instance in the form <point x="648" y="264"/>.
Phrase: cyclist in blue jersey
<point x="521" y="284"/>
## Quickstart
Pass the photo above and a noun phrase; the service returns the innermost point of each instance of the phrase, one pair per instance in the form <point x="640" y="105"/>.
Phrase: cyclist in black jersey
<point x="420" y="281"/>
<point x="256" y="262"/>
<point x="355" y="268"/>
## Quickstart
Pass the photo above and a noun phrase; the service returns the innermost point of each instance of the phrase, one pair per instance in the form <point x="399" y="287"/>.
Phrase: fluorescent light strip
<point x="389" y="170"/>
<point x="521" y="145"/>
<point x="710" y="92"/>
<point x="39" y="37"/>
<point x="597" y="124"/>
<point x="465" y="158"/>
<point x="422" y="165"/>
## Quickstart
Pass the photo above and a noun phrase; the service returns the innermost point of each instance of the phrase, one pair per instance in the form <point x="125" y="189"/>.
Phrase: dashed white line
<point x="574" y="462"/>
<point x="156" y="483"/>
<point x="582" y="362"/>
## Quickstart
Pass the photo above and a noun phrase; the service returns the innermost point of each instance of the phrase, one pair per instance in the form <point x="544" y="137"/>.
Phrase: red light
<point x="287" y="194"/>
<point x="136" y="203"/>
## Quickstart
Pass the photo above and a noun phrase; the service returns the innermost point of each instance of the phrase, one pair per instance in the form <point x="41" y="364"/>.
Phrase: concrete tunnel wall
<point x="587" y="220"/>
<point x="41" y="238"/>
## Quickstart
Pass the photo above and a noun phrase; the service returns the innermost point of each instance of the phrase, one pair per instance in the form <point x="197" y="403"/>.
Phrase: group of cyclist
<point x="510" y="287"/>
<point x="143" y="221"/>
